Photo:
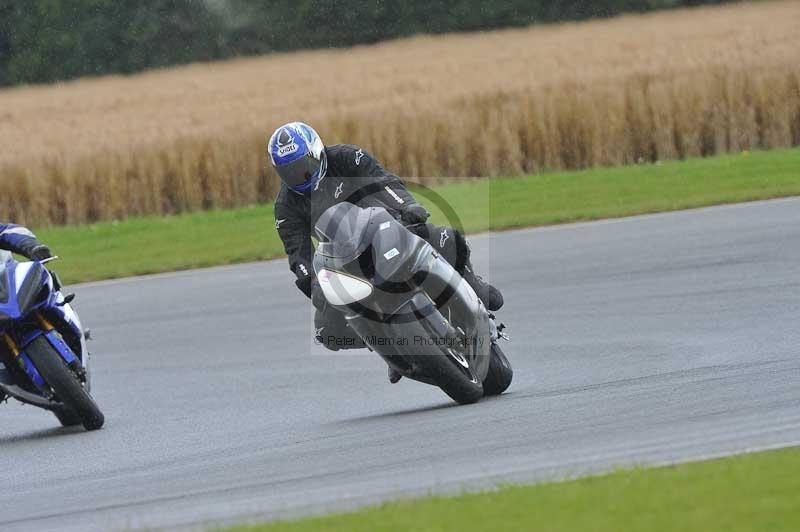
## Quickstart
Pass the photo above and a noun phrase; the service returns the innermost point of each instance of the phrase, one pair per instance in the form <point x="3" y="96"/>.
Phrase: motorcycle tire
<point x="64" y="383"/>
<point x="450" y="378"/>
<point x="67" y="418"/>
<point x="500" y="374"/>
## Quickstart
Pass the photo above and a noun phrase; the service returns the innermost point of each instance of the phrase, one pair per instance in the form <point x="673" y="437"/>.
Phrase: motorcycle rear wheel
<point x="65" y="384"/>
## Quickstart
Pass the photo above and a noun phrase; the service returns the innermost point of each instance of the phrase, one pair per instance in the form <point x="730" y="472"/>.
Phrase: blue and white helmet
<point x="298" y="155"/>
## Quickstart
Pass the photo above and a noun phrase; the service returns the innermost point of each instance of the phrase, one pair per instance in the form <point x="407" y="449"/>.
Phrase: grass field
<point x="660" y="86"/>
<point x="157" y="244"/>
<point x="752" y="493"/>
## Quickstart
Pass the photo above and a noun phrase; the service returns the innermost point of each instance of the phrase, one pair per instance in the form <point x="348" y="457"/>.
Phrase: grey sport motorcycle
<point x="408" y="303"/>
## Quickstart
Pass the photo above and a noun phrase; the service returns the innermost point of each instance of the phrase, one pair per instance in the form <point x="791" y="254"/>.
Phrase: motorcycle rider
<point x="313" y="178"/>
<point x="21" y="240"/>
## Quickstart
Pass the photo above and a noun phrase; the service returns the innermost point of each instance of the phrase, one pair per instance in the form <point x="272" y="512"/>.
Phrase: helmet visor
<point x="299" y="172"/>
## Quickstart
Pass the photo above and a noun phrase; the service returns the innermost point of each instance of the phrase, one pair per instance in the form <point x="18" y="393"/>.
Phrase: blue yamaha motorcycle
<point x="43" y="345"/>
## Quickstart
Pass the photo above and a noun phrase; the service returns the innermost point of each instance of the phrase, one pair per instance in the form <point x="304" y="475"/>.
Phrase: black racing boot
<point x="491" y="296"/>
<point x="394" y="376"/>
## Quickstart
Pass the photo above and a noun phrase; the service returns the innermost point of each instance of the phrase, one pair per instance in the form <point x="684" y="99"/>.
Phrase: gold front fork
<point x="12" y="345"/>
<point x="46" y="325"/>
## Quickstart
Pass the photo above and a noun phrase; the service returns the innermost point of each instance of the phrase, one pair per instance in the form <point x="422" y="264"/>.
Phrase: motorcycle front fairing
<point x="418" y="300"/>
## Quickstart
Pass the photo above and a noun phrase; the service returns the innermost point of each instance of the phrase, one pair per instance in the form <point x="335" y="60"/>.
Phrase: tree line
<point x="52" y="40"/>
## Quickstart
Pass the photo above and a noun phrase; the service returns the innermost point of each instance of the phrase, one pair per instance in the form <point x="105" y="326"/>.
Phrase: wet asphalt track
<point x="644" y="340"/>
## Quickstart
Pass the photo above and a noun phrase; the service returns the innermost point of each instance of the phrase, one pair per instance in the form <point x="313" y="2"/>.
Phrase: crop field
<point x="651" y="87"/>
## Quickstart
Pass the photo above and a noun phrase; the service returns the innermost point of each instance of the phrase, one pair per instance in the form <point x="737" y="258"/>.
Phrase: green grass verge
<point x="759" y="492"/>
<point x="157" y="244"/>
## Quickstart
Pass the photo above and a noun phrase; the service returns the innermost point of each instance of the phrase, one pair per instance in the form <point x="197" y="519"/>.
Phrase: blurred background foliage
<point x="53" y="40"/>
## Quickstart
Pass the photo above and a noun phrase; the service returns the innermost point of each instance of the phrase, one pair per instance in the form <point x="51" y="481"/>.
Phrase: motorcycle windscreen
<point x="343" y="231"/>
<point x="33" y="289"/>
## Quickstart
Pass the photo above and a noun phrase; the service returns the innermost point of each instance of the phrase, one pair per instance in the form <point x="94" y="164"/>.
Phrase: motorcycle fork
<point x="12" y="345"/>
<point x="46" y="325"/>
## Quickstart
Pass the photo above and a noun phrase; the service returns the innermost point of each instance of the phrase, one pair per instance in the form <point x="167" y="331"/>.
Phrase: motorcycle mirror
<point x="67" y="300"/>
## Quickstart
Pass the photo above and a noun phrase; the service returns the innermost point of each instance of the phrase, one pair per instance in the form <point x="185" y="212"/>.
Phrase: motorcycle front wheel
<point x="500" y="374"/>
<point x="451" y="372"/>
<point x="65" y="385"/>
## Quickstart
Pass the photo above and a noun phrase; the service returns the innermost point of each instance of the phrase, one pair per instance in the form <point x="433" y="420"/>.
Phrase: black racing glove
<point x="414" y="214"/>
<point x="317" y="296"/>
<point x="305" y="284"/>
<point x="40" y="252"/>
